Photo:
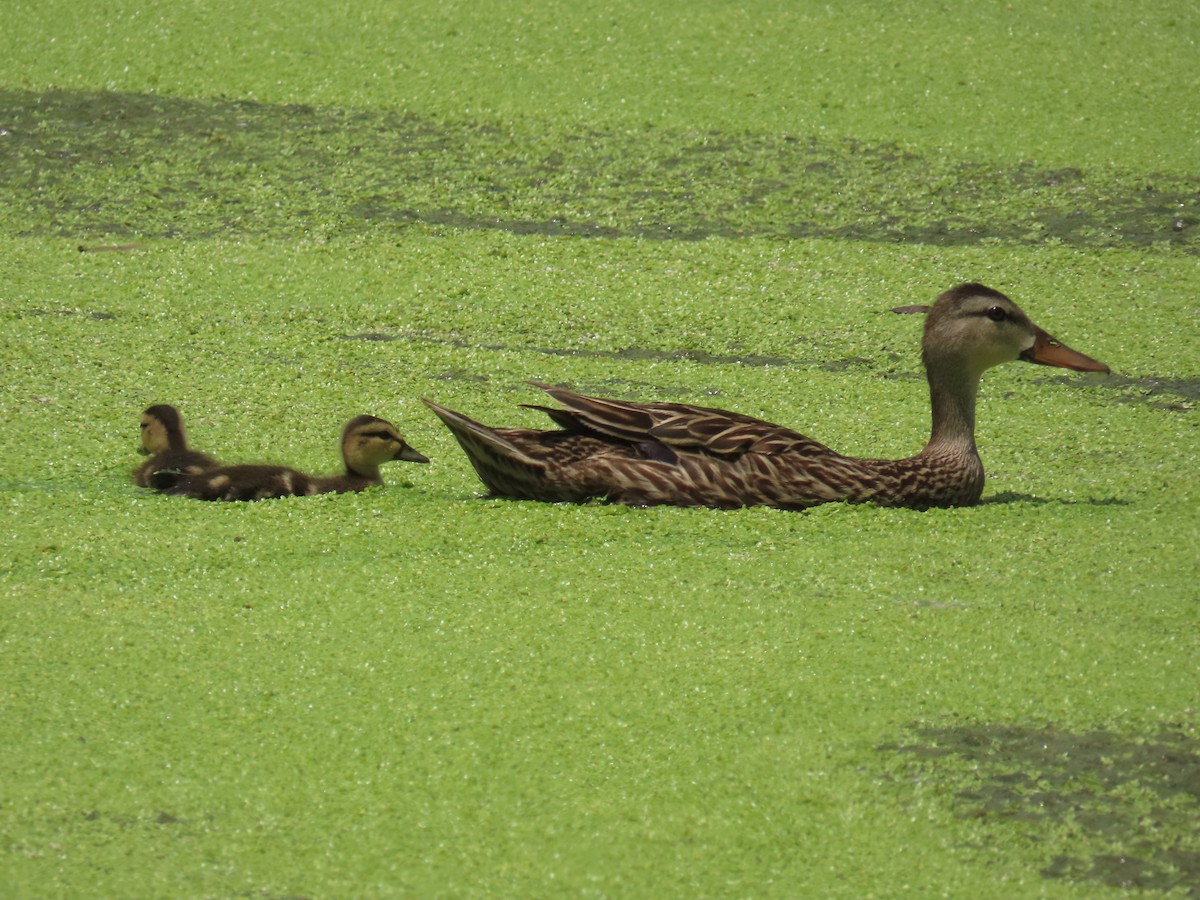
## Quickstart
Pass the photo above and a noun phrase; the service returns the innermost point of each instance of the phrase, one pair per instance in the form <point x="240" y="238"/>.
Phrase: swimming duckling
<point x="367" y="442"/>
<point x="164" y="439"/>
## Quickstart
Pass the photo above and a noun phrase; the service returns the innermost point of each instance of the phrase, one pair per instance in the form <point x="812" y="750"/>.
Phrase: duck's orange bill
<point x="1048" y="351"/>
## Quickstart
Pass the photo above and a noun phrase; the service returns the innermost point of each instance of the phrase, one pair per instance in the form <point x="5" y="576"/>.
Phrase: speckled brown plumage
<point x="643" y="454"/>
<point x="163" y="437"/>
<point x="367" y="443"/>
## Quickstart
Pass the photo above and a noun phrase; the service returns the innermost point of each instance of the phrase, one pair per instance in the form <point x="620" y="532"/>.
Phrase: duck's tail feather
<point x="502" y="464"/>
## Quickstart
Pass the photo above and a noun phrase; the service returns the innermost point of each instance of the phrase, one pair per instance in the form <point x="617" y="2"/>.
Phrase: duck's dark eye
<point x="996" y="313"/>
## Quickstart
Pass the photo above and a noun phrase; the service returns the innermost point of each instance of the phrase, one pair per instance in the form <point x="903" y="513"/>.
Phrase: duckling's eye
<point x="996" y="314"/>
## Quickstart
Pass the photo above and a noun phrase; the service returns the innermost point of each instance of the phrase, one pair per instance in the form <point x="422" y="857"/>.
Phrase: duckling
<point x="165" y="441"/>
<point x="643" y="454"/>
<point x="367" y="442"/>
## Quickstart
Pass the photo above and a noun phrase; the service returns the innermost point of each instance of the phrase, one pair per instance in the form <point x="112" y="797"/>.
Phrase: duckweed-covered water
<point x="184" y="168"/>
<point x="291" y="216"/>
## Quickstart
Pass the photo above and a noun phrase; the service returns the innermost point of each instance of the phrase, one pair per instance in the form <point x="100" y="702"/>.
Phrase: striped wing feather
<point x="678" y="425"/>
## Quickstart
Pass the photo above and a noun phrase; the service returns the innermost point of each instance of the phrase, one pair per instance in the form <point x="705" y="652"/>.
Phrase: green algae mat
<point x="280" y="217"/>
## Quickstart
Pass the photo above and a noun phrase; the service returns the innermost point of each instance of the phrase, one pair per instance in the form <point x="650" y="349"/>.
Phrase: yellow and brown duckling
<point x="367" y="443"/>
<point x="165" y="441"/>
<point x="643" y="454"/>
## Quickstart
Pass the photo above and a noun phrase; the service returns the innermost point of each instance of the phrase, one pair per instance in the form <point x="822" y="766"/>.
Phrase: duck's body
<point x="367" y="443"/>
<point x="679" y="455"/>
<point x="644" y="454"/>
<point x="164" y="439"/>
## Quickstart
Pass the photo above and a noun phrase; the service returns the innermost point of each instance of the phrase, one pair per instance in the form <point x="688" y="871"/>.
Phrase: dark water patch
<point x="1014" y="497"/>
<point x="67" y="313"/>
<point x="1122" y="808"/>
<point x="627" y="353"/>
<point x="462" y="375"/>
<point x="108" y="248"/>
<point x="1152" y="391"/>
<point x="641" y="354"/>
<point x="93" y="164"/>
<point x="1175" y="394"/>
<point x="653" y="355"/>
<point x="1170" y="394"/>
<point x="126" y="821"/>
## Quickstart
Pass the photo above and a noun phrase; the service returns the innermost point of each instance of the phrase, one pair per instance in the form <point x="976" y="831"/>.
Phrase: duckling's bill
<point x="408" y="454"/>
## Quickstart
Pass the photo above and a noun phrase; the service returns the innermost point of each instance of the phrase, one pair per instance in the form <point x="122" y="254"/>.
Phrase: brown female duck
<point x="163" y="437"/>
<point x="367" y="443"/>
<point x="644" y="454"/>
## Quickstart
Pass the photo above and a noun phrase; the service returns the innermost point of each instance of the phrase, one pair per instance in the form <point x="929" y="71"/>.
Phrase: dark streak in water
<point x="1130" y="803"/>
<point x="1151" y="390"/>
<point x="89" y="164"/>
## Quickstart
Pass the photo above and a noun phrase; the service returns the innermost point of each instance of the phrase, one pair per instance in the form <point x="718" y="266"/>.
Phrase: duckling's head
<point x="972" y="327"/>
<point x="368" y="442"/>
<point x="162" y="430"/>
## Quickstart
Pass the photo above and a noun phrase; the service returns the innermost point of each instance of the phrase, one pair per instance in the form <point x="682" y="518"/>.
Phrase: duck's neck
<point x="952" y="397"/>
<point x="364" y="472"/>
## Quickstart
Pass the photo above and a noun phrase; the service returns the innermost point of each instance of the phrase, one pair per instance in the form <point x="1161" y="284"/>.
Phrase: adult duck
<point x="643" y="454"/>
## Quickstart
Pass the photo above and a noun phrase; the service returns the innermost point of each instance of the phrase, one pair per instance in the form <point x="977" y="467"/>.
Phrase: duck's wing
<point x="680" y="426"/>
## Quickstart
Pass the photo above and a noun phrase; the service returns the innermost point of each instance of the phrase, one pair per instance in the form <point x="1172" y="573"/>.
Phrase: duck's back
<point x="187" y="462"/>
<point x="240" y="482"/>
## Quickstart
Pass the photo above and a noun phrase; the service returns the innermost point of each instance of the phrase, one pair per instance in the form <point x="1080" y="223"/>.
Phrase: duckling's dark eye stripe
<point x="382" y="435"/>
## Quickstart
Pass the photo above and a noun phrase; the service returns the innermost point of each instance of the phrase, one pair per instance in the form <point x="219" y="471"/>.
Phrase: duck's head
<point x="162" y="430"/>
<point x="368" y="442"/>
<point x="972" y="327"/>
